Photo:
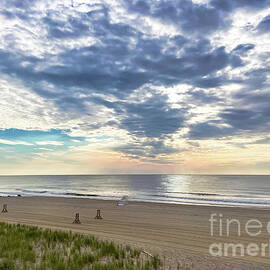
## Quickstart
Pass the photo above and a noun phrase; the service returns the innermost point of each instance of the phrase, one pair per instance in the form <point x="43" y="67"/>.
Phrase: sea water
<point x="233" y="190"/>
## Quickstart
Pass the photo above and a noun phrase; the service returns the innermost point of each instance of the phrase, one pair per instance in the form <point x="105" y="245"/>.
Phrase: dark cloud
<point x="264" y="25"/>
<point x="150" y="149"/>
<point x="243" y="48"/>
<point x="244" y="119"/>
<point x="18" y="4"/>
<point x="122" y="59"/>
<point x="153" y="118"/>
<point x="115" y="65"/>
<point x="249" y="113"/>
<point x="194" y="18"/>
<point x="211" y="82"/>
<point x="208" y="130"/>
<point x="190" y="17"/>
<point x="131" y="150"/>
<point x="253" y="99"/>
<point x="230" y="5"/>
<point x="256" y="79"/>
<point x="250" y="109"/>
<point x="73" y="27"/>
<point x="139" y="6"/>
<point x="255" y="112"/>
<point x="200" y="97"/>
<point x="198" y="60"/>
<point x="7" y="14"/>
<point x="17" y="9"/>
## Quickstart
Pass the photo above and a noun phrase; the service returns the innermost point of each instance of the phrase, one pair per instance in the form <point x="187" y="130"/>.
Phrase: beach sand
<point x="178" y="233"/>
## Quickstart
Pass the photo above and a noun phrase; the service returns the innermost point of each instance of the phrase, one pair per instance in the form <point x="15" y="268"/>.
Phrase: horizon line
<point x="92" y="174"/>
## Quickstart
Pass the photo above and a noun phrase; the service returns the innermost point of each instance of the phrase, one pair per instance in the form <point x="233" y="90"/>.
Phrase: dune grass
<point x="31" y="248"/>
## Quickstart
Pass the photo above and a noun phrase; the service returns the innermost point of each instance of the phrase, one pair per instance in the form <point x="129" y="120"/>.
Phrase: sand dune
<point x="178" y="233"/>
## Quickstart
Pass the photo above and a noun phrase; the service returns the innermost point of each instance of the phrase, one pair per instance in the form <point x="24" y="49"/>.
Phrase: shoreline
<point x="185" y="189"/>
<point x="178" y="232"/>
<point x="116" y="199"/>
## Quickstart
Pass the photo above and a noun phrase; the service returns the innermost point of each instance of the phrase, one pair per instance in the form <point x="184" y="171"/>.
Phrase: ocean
<point x="232" y="190"/>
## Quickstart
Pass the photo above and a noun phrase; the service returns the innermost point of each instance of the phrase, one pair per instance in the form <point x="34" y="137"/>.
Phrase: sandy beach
<point x="177" y="233"/>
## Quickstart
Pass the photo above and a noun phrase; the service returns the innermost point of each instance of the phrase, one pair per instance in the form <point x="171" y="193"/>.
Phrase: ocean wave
<point x="213" y="194"/>
<point x="202" y="198"/>
<point x="232" y="201"/>
<point x="34" y="191"/>
<point x="80" y="194"/>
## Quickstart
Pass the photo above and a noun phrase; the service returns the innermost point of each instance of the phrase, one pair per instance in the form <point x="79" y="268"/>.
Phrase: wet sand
<point x="177" y="233"/>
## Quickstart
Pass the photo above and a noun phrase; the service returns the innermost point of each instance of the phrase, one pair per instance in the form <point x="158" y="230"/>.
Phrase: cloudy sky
<point x="134" y="86"/>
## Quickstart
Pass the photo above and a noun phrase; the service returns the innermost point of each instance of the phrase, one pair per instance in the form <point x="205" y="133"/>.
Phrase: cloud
<point x="45" y="149"/>
<point x="56" y="143"/>
<point x="188" y="16"/>
<point x="211" y="82"/>
<point x="153" y="118"/>
<point x="151" y="72"/>
<point x="57" y="138"/>
<point x="256" y="78"/>
<point x="243" y="48"/>
<point x="194" y="18"/>
<point x="264" y="25"/>
<point x="201" y="97"/>
<point x="265" y="140"/>
<point x="151" y="150"/>
<point x="18" y="4"/>
<point x="121" y="60"/>
<point x="208" y="131"/>
<point x="242" y="119"/>
<point x="8" y="142"/>
<point x="230" y="5"/>
<point x="72" y="27"/>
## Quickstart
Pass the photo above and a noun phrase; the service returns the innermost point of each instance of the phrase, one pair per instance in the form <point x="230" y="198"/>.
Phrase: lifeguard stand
<point x="4" y="208"/>
<point x="77" y="219"/>
<point x="98" y="216"/>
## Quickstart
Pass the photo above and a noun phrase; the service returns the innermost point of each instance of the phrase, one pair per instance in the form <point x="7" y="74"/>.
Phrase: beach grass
<point x="31" y="248"/>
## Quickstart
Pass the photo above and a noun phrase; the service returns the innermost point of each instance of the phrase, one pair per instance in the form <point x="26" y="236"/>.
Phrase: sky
<point x="132" y="86"/>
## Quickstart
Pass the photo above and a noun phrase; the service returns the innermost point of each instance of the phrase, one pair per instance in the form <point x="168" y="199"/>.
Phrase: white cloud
<point x="76" y="141"/>
<point x="8" y="142"/>
<point x="55" y="143"/>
